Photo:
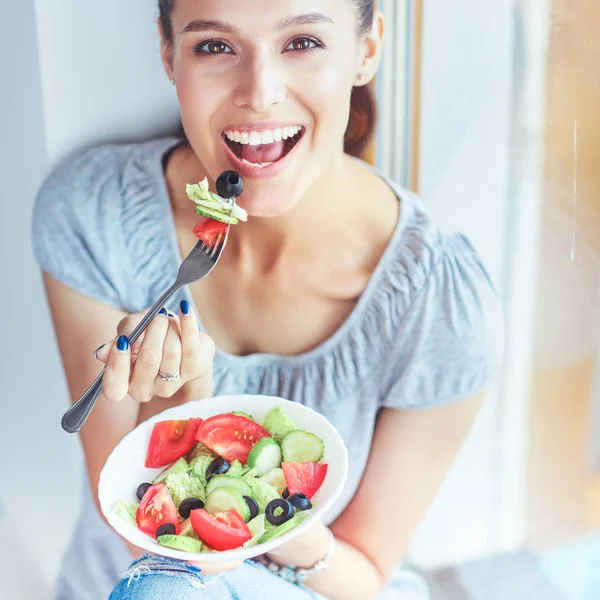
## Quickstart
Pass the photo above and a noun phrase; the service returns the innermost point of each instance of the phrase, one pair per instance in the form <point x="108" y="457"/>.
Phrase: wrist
<point x="304" y="550"/>
<point x="298" y="571"/>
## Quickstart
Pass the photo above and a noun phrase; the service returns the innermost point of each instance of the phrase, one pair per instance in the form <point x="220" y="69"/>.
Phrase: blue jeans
<point x="160" y="578"/>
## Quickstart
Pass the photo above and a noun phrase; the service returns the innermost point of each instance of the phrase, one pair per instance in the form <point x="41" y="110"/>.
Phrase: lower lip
<point x="251" y="172"/>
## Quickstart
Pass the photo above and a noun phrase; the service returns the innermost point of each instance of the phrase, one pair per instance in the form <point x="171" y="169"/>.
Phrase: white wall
<point x="101" y="73"/>
<point x="73" y="74"/>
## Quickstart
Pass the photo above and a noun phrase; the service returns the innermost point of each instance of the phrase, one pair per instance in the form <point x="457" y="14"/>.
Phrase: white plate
<point x="124" y="470"/>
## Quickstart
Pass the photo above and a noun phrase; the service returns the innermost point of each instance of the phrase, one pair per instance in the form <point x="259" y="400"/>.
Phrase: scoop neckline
<point x="341" y="333"/>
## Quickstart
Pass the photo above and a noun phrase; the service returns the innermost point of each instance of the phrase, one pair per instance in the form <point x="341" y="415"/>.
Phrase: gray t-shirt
<point x="427" y="330"/>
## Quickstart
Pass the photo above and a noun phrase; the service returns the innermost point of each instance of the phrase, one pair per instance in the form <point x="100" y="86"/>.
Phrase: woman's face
<point x="251" y="74"/>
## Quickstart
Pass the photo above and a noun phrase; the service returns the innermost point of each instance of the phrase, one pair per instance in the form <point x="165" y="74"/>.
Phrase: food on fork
<point x="218" y="211"/>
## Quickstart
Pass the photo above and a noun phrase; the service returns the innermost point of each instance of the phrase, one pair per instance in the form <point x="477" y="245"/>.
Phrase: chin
<point x="267" y="203"/>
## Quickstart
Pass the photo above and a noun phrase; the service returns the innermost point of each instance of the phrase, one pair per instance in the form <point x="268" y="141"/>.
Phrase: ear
<point x="166" y="52"/>
<point x="370" y="51"/>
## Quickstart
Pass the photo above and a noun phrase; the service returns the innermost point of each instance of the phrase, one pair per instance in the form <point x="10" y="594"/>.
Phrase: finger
<point x="171" y="361"/>
<point x="198" y="349"/>
<point x="103" y="352"/>
<point x="115" y="382"/>
<point x="141" y="386"/>
<point x="125" y="327"/>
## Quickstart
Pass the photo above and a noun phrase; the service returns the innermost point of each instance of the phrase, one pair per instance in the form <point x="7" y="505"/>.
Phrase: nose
<point x="261" y="85"/>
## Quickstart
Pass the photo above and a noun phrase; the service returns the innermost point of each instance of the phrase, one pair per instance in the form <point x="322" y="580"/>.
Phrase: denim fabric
<point x="159" y="578"/>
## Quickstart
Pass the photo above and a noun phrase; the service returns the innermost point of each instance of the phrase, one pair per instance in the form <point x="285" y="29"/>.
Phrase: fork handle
<point x="77" y="415"/>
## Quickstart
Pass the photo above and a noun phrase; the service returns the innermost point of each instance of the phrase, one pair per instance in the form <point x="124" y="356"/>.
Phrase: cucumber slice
<point x="265" y="456"/>
<point x="211" y="204"/>
<point x="225" y="481"/>
<point x="240" y="413"/>
<point x="302" y="446"/>
<point x="217" y="216"/>
<point x="275" y="478"/>
<point x="283" y="528"/>
<point x="223" y="499"/>
<point x="179" y="542"/>
<point x="180" y="466"/>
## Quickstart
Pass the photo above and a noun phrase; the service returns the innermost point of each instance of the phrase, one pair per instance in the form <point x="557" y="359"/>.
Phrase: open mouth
<point x="263" y="148"/>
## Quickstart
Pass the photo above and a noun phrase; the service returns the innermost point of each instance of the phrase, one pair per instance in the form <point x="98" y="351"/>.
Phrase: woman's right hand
<point x="171" y="359"/>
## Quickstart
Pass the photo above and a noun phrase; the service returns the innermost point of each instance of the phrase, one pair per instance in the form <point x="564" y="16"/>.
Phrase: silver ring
<point x="168" y="377"/>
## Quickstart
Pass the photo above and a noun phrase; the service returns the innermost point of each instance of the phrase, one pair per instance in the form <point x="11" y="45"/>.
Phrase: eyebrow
<point x="308" y="19"/>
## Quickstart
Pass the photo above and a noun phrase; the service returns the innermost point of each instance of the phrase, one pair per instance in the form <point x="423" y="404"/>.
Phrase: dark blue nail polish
<point x="123" y="343"/>
<point x="98" y="350"/>
<point x="163" y="311"/>
<point x="185" y="307"/>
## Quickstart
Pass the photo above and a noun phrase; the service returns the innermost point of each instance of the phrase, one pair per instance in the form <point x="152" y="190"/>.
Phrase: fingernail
<point x="98" y="350"/>
<point x="163" y="311"/>
<point x="123" y="343"/>
<point x="171" y="315"/>
<point x="185" y="307"/>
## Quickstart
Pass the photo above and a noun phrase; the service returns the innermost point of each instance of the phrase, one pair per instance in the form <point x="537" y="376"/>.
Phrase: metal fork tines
<point x="198" y="264"/>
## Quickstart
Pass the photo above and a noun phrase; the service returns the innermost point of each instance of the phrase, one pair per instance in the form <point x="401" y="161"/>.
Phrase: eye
<point x="213" y="48"/>
<point x="303" y="44"/>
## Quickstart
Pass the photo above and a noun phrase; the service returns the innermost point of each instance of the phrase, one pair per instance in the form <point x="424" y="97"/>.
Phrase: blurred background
<point x="489" y="109"/>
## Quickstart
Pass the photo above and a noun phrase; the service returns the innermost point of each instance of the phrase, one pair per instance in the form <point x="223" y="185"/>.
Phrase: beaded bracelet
<point x="298" y="574"/>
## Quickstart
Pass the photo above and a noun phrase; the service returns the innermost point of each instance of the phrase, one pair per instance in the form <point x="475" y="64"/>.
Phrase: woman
<point x="339" y="292"/>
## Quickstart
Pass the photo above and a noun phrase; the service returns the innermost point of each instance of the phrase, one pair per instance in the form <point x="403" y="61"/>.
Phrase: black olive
<point x="300" y="501"/>
<point x="230" y="184"/>
<point x="286" y="493"/>
<point x="166" y="529"/>
<point x="142" y="489"/>
<point x="217" y="467"/>
<point x="188" y="505"/>
<point x="252" y="505"/>
<point x="285" y="513"/>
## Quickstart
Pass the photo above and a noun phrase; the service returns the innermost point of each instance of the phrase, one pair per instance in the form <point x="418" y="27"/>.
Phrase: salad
<point x="218" y="211"/>
<point x="229" y="481"/>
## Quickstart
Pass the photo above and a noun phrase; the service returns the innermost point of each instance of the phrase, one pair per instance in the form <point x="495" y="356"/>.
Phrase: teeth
<point x="260" y="165"/>
<point x="267" y="137"/>
<point x="257" y="138"/>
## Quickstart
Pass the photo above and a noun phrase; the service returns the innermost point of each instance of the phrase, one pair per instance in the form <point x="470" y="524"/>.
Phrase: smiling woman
<point x="339" y="292"/>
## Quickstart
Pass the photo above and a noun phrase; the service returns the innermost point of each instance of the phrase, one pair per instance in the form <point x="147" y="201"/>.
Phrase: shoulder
<point x="87" y="213"/>
<point x="81" y="179"/>
<point x="443" y="313"/>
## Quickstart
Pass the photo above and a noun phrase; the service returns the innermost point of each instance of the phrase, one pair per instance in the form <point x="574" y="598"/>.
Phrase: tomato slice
<point x="171" y="440"/>
<point x="221" y="531"/>
<point x="208" y="230"/>
<point x="156" y="508"/>
<point x="304" y="478"/>
<point x="231" y="436"/>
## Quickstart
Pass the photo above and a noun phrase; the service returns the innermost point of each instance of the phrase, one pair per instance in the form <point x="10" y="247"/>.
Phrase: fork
<point x="198" y="264"/>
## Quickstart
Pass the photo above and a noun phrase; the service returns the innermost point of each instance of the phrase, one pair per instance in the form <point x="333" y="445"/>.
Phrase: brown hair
<point x="363" y="105"/>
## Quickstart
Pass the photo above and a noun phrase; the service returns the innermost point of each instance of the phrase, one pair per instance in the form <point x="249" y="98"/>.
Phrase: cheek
<point x="327" y="93"/>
